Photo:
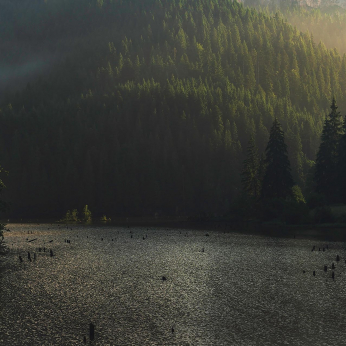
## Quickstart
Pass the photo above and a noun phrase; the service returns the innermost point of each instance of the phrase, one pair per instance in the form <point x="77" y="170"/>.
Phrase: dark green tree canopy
<point x="250" y="174"/>
<point x="327" y="157"/>
<point x="156" y="100"/>
<point x="277" y="181"/>
<point x="341" y="169"/>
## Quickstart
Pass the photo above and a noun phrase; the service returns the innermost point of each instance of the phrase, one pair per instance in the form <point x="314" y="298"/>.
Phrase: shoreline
<point x="334" y="231"/>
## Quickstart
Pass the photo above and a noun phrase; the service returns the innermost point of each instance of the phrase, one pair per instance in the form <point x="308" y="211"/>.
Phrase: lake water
<point x="242" y="290"/>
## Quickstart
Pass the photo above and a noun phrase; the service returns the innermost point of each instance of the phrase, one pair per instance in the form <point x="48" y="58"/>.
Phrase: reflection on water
<point x="242" y="290"/>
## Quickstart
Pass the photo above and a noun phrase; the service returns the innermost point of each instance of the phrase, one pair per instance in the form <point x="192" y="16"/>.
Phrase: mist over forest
<point x="147" y="107"/>
<point x="325" y="20"/>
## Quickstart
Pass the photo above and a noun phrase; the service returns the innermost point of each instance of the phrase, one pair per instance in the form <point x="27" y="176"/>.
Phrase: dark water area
<point x="221" y="289"/>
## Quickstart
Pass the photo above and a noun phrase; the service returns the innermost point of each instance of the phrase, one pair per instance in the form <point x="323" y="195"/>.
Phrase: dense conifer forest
<point x="326" y="22"/>
<point x="152" y="108"/>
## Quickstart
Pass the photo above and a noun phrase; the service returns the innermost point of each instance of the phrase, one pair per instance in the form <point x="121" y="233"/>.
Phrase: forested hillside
<point x="152" y="112"/>
<point x="329" y="28"/>
<point x="325" y="20"/>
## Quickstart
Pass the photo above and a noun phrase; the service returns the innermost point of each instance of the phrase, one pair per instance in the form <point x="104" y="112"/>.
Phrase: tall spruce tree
<point x="325" y="176"/>
<point x="250" y="174"/>
<point x="342" y="166"/>
<point x="277" y="180"/>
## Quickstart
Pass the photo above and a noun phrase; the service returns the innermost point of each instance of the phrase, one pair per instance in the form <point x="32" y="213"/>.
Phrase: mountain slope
<point x="153" y="116"/>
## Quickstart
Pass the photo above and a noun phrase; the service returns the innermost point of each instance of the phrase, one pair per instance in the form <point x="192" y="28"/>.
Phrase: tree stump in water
<point x="92" y="331"/>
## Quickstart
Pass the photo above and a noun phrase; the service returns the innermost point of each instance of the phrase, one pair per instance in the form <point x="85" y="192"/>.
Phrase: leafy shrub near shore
<point x="105" y="219"/>
<point x="72" y="217"/>
<point x="86" y="214"/>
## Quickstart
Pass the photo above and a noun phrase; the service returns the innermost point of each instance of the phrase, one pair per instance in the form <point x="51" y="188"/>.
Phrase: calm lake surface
<point x="242" y="290"/>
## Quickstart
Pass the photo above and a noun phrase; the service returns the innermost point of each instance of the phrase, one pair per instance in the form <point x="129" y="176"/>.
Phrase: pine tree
<point x="250" y="179"/>
<point x="342" y="165"/>
<point x="277" y="180"/>
<point x="326" y="162"/>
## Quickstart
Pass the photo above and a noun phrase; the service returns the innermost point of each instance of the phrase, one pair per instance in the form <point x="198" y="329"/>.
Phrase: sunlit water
<point x="242" y="290"/>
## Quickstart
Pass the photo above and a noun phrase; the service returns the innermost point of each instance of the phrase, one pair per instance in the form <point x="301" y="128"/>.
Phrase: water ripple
<point x="242" y="290"/>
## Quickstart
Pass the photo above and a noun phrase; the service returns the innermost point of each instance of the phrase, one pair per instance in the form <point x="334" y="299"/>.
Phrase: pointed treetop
<point x="277" y="180"/>
<point x="333" y="106"/>
<point x="326" y="181"/>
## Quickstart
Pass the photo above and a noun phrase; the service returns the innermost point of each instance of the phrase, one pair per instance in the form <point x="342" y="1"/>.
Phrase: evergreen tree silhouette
<point x="325" y="176"/>
<point x="342" y="166"/>
<point x="277" y="180"/>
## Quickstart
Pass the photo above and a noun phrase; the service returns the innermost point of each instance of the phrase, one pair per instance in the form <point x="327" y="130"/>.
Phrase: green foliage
<point x="325" y="19"/>
<point x="251" y="180"/>
<point x="173" y="87"/>
<point x="326" y="169"/>
<point x="74" y="215"/>
<point x="297" y="194"/>
<point x="104" y="219"/>
<point x="328" y="27"/>
<point x="86" y="214"/>
<point x="341" y="166"/>
<point x="71" y="216"/>
<point x="277" y="181"/>
<point x="67" y="216"/>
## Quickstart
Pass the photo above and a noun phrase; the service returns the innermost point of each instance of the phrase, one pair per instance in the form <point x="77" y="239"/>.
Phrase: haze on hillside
<point x="324" y="19"/>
